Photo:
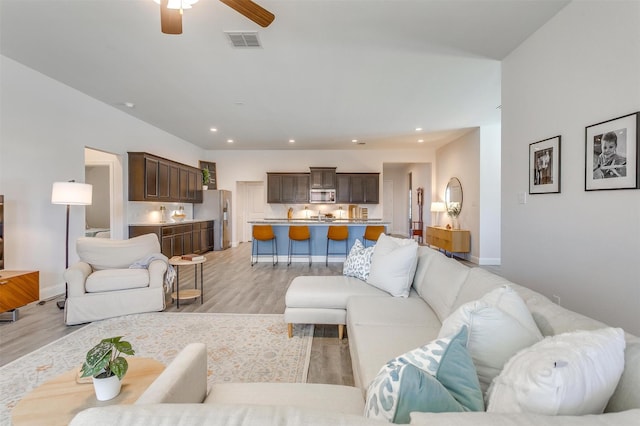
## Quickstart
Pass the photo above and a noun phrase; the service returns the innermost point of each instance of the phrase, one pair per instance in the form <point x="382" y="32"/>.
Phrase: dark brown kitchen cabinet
<point x="177" y="239"/>
<point x="289" y="188"/>
<point x="152" y="178"/>
<point x="358" y="188"/>
<point x="322" y="177"/>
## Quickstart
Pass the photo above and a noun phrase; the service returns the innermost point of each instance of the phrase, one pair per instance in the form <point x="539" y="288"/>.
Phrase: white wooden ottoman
<point x="323" y="300"/>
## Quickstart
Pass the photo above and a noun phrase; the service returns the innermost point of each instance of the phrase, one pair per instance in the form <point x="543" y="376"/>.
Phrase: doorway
<point x="251" y="203"/>
<point x="105" y="217"/>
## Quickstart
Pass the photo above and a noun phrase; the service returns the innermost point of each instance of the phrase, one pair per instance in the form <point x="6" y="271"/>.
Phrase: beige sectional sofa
<point x="380" y="328"/>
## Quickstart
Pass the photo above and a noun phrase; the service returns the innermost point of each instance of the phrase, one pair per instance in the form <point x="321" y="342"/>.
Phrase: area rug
<point x="240" y="348"/>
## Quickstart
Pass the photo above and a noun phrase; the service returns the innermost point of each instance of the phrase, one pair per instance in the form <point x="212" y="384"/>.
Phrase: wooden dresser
<point x="18" y="288"/>
<point x="451" y="240"/>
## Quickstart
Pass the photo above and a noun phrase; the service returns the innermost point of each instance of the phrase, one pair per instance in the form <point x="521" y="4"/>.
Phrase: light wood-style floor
<point x="232" y="286"/>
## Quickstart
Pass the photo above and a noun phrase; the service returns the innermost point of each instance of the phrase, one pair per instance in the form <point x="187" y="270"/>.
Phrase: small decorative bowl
<point x="178" y="217"/>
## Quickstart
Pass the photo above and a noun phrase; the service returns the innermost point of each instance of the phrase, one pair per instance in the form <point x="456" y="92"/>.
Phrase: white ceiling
<point x="329" y="71"/>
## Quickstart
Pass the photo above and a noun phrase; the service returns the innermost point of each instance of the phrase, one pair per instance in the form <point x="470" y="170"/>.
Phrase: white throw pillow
<point x="358" y="262"/>
<point x="393" y="265"/>
<point x="567" y="374"/>
<point x="500" y="325"/>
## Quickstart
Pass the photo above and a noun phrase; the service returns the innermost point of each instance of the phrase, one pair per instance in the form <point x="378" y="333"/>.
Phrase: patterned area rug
<point x="240" y="347"/>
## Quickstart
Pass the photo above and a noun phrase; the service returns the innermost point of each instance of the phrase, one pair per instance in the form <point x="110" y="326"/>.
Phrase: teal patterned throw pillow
<point x="437" y="377"/>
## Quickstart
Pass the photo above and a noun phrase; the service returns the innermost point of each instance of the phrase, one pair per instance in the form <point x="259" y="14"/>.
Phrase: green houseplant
<point x="206" y="175"/>
<point x="107" y="367"/>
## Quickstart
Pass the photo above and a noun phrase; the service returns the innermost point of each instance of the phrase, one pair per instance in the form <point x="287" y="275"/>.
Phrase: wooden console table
<point x="57" y="401"/>
<point x="18" y="288"/>
<point x="451" y="240"/>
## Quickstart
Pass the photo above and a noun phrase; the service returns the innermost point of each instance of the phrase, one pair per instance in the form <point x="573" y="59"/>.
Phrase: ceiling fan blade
<point x="251" y="10"/>
<point x="170" y="19"/>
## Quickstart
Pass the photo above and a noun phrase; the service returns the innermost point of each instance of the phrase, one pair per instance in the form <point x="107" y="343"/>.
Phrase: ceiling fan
<point x="171" y="13"/>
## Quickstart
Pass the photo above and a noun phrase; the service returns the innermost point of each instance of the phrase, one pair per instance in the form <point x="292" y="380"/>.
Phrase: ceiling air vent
<point x="243" y="38"/>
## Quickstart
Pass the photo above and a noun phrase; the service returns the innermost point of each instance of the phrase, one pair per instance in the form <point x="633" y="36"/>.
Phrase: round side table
<point x="194" y="293"/>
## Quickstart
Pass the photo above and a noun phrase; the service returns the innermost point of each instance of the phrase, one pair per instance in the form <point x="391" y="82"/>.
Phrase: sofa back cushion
<point x="102" y="253"/>
<point x="393" y="265"/>
<point x="438" y="282"/>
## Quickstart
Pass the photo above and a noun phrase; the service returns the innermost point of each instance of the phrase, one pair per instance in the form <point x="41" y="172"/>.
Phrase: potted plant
<point x="453" y="211"/>
<point x="107" y="367"/>
<point x="206" y="175"/>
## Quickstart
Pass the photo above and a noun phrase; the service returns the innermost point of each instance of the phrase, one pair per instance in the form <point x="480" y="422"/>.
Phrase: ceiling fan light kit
<point x="171" y="13"/>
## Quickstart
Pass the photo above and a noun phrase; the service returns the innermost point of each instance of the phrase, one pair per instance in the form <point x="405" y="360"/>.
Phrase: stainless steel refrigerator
<point x="216" y="206"/>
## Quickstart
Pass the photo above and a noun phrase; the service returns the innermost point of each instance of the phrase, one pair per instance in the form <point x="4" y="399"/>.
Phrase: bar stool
<point x="263" y="233"/>
<point x="372" y="233"/>
<point x="299" y="233"/>
<point x="337" y="233"/>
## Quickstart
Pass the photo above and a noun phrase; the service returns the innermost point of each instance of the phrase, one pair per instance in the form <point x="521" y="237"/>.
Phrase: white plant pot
<point x="107" y="388"/>
<point x="205" y="187"/>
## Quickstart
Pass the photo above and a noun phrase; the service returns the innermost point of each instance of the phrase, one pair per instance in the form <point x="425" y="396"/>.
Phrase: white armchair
<point x="101" y="285"/>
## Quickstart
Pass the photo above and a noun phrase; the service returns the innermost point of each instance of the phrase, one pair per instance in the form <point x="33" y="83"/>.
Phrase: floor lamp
<point x="71" y="193"/>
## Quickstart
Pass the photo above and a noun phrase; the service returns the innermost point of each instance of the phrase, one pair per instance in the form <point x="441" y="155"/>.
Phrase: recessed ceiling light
<point x="129" y="104"/>
<point x="229" y="140"/>
<point x="418" y="129"/>
<point x="292" y="141"/>
<point x="354" y="140"/>
<point x="420" y="140"/>
<point x="213" y="129"/>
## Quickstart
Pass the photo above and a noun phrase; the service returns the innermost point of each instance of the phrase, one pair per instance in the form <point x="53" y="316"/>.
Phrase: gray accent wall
<point x="581" y="68"/>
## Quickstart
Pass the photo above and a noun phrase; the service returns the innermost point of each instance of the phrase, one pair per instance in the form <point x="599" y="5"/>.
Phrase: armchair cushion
<point x="116" y="279"/>
<point x="102" y="253"/>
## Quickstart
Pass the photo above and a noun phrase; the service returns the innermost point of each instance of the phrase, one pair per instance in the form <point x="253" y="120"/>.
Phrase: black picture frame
<point x="544" y="166"/>
<point x="213" y="181"/>
<point x="620" y="168"/>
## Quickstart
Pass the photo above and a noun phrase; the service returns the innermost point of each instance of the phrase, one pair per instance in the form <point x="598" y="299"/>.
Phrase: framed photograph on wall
<point x="213" y="183"/>
<point x="544" y="166"/>
<point x="612" y="154"/>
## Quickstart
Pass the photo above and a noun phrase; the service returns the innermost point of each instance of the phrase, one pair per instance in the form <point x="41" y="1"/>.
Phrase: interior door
<point x="252" y="205"/>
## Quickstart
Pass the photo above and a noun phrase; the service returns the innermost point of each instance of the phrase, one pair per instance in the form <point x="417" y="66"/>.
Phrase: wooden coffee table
<point x="57" y="401"/>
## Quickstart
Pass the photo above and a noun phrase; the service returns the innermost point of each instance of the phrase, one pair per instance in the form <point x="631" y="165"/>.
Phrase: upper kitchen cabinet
<point x="287" y="188"/>
<point x="152" y="178"/>
<point x="358" y="188"/>
<point x="323" y="177"/>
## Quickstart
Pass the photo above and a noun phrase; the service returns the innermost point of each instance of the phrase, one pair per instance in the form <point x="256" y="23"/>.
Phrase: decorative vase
<point x="107" y="388"/>
<point x="454" y="223"/>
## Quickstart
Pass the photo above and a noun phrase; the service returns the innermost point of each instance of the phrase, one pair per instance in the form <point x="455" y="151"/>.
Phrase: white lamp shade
<point x="71" y="193"/>
<point x="438" y="206"/>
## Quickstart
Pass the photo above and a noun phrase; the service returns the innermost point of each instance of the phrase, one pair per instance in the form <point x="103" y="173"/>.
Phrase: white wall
<point x="581" y="68"/>
<point x="45" y="128"/>
<point x="490" y="200"/>
<point x="461" y="159"/>
<point x="97" y="214"/>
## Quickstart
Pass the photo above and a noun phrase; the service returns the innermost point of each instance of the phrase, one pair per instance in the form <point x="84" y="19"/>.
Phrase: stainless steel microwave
<point x="322" y="196"/>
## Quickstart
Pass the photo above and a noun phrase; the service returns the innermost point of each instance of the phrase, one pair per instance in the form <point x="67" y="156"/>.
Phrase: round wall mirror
<point x="453" y="194"/>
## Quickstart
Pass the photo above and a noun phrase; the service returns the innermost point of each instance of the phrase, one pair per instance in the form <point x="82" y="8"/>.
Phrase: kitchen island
<point x="318" y="230"/>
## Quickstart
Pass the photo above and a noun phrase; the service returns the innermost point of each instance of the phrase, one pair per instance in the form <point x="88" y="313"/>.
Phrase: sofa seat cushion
<point x="330" y="292"/>
<point x="387" y="311"/>
<point x="116" y="279"/>
<point x="333" y="398"/>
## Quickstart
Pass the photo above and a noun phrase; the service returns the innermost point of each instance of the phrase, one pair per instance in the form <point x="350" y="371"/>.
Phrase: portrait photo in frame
<point x="544" y="166"/>
<point x="611" y="154"/>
